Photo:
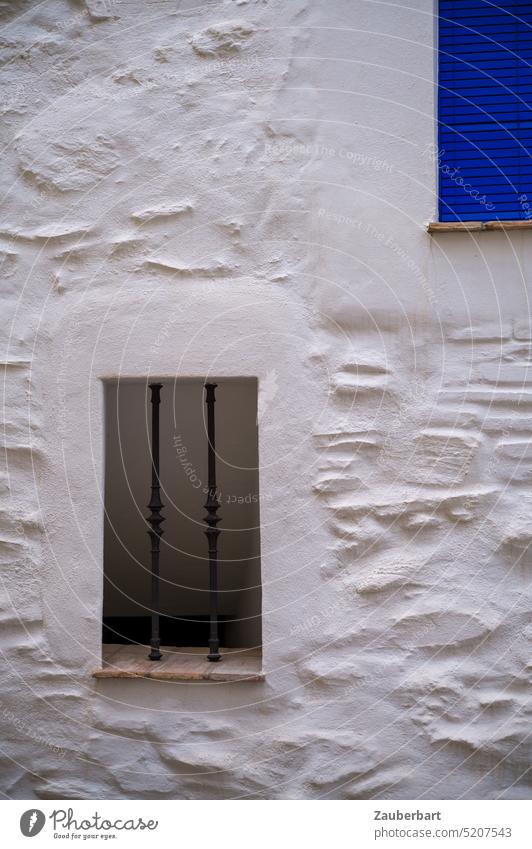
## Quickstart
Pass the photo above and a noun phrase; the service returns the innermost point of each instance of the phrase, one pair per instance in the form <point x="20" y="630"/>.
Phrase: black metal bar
<point x="155" y="519"/>
<point x="211" y="505"/>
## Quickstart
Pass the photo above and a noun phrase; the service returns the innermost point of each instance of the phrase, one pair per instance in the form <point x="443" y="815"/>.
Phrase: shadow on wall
<point x="183" y="471"/>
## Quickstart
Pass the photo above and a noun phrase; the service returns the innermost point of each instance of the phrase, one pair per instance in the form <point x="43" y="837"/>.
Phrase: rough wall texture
<point x="242" y="187"/>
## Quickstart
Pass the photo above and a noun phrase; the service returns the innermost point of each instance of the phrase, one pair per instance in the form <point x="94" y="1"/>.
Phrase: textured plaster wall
<point x="241" y="188"/>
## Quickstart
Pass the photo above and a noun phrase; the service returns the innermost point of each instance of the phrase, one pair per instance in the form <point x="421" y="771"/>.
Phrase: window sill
<point x="180" y="664"/>
<point x="475" y="226"/>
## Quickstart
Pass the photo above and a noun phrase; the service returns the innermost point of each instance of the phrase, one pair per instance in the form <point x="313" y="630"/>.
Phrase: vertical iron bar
<point x="211" y="505"/>
<point x="155" y="520"/>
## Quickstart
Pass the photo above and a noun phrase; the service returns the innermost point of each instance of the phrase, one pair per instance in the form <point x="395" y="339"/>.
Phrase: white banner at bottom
<point x="234" y="824"/>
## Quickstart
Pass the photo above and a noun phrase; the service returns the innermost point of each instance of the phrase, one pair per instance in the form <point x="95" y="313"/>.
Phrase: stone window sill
<point x="476" y="226"/>
<point x="180" y="664"/>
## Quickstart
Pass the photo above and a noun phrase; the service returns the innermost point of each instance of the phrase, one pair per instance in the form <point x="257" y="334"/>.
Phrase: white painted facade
<point x="242" y="188"/>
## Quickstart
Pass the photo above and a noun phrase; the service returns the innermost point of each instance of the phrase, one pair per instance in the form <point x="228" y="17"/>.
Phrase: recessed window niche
<point x="184" y="562"/>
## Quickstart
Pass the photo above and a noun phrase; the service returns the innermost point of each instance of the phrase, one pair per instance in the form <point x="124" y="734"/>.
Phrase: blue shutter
<point x="485" y="109"/>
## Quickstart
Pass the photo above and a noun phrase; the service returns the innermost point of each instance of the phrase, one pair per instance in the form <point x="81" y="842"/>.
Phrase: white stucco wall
<point x="241" y="189"/>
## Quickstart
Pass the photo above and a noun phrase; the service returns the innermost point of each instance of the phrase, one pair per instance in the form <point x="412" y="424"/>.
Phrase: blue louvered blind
<point x="485" y="110"/>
